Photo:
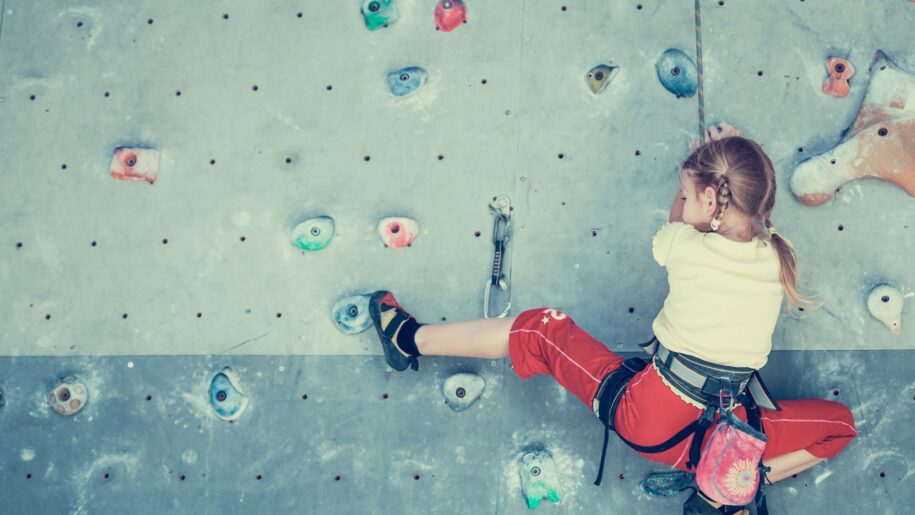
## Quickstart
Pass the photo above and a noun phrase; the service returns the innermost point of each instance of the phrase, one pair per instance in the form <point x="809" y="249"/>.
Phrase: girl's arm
<point x="676" y="210"/>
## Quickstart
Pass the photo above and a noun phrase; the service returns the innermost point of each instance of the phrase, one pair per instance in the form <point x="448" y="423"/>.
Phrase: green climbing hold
<point x="539" y="480"/>
<point x="314" y="233"/>
<point x="379" y="13"/>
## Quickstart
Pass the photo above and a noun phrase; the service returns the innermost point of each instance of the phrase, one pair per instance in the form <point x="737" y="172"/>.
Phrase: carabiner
<point x="501" y="230"/>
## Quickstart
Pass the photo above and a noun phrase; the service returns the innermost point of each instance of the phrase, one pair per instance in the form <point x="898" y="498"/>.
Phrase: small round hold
<point x="677" y="73"/>
<point x="462" y="390"/>
<point x="69" y="396"/>
<point x="379" y="13"/>
<point x="398" y="232"/>
<point x="351" y="314"/>
<point x="882" y="131"/>
<point x="840" y="71"/>
<point x="598" y="77"/>
<point x="406" y="81"/>
<point x="225" y="397"/>
<point x="535" y="471"/>
<point x="314" y="233"/>
<point x="885" y="303"/>
<point x="449" y="15"/>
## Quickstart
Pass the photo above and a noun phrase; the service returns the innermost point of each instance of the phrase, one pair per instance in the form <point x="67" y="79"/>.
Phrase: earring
<point x="716" y="223"/>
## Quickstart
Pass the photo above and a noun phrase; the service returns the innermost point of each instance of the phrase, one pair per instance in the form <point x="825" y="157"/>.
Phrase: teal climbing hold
<point x="351" y="315"/>
<point x="314" y="233"/>
<point x="227" y="400"/>
<point x="677" y="73"/>
<point x="407" y="80"/>
<point x="379" y="13"/>
<point x="539" y="479"/>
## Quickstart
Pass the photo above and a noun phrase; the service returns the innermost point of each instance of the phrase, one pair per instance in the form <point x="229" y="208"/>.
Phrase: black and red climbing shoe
<point x="381" y="305"/>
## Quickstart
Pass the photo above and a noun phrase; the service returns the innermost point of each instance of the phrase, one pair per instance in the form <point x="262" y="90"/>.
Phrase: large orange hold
<point x="449" y="15"/>
<point x="878" y="145"/>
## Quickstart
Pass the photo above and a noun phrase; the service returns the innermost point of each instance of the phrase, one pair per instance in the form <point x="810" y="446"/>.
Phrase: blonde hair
<point x="744" y="179"/>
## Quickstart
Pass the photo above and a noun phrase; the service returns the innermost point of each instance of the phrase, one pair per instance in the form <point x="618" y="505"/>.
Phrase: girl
<point x="728" y="270"/>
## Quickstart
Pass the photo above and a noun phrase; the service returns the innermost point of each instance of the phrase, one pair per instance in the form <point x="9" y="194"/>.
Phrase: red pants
<point x="545" y="341"/>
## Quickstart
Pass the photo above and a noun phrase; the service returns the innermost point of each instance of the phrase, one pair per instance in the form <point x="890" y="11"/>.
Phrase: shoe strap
<point x="395" y="323"/>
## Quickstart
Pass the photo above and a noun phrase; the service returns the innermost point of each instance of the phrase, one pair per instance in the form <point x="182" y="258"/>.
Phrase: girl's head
<point x="730" y="183"/>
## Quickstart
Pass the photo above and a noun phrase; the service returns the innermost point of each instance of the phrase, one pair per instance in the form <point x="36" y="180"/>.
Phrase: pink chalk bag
<point x="728" y="470"/>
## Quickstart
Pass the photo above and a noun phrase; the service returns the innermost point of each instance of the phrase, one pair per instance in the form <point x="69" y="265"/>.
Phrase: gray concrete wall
<point x="505" y="98"/>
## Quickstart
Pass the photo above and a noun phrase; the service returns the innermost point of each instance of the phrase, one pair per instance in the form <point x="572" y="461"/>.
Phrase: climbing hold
<point x="398" y="232"/>
<point x="406" y="81"/>
<point x="877" y="145"/>
<point x="69" y="396"/>
<point x="599" y="76"/>
<point x="677" y="73"/>
<point x="2" y="399"/>
<point x="228" y="402"/>
<point x="539" y="480"/>
<point x="314" y="233"/>
<point x="462" y="390"/>
<point x="351" y="315"/>
<point x="840" y="71"/>
<point x="667" y="484"/>
<point x="449" y="15"/>
<point x="135" y="164"/>
<point x="379" y="13"/>
<point x="885" y="304"/>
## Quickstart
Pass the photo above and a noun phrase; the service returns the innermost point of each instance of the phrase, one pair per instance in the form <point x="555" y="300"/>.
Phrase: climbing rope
<point x="702" y="138"/>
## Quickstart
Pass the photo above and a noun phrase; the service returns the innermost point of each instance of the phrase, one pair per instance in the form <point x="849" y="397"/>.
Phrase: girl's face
<point x="698" y="207"/>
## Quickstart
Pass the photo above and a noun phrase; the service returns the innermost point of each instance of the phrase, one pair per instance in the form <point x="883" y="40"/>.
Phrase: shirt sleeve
<point x="665" y="239"/>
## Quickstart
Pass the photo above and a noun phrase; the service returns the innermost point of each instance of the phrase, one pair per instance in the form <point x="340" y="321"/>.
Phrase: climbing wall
<point x="187" y="187"/>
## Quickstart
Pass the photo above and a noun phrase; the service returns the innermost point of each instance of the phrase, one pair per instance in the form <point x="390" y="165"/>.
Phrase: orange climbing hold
<point x="449" y="15"/>
<point x="135" y="164"/>
<point x="840" y="71"/>
<point x="878" y="144"/>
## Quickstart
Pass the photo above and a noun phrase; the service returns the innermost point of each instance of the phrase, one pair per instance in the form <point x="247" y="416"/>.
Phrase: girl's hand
<point x="716" y="132"/>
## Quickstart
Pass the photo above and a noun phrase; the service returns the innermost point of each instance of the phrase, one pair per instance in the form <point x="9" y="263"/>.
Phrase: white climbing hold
<point x="885" y="304"/>
<point x="462" y="390"/>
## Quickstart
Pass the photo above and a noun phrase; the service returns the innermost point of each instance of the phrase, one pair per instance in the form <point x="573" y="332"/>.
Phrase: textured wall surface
<point x="266" y="115"/>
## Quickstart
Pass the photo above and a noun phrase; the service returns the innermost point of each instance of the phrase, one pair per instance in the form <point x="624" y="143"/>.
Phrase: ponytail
<point x="788" y="260"/>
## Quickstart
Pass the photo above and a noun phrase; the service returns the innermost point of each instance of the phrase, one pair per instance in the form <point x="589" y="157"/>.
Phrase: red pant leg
<point x="546" y="341"/>
<point x="823" y="428"/>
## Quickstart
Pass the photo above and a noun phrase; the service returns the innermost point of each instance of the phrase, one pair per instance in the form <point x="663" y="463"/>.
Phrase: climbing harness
<point x="699" y="73"/>
<point x="717" y="387"/>
<point x="501" y="230"/>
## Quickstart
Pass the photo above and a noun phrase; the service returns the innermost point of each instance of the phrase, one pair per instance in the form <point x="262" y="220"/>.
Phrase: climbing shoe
<point x="698" y="504"/>
<point x="393" y="323"/>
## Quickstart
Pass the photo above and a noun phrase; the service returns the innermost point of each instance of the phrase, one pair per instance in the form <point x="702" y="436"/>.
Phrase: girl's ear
<point x="709" y="201"/>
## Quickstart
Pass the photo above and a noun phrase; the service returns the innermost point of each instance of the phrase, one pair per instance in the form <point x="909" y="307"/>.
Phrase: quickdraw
<point x="501" y="230"/>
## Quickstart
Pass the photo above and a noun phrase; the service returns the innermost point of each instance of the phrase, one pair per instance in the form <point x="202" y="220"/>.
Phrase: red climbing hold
<point x="135" y="164"/>
<point x="450" y="14"/>
<point x="840" y="70"/>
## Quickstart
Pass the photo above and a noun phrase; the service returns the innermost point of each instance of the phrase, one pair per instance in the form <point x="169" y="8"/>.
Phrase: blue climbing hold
<point x="351" y="315"/>
<point x="228" y="402"/>
<point x="406" y="81"/>
<point x="677" y="73"/>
